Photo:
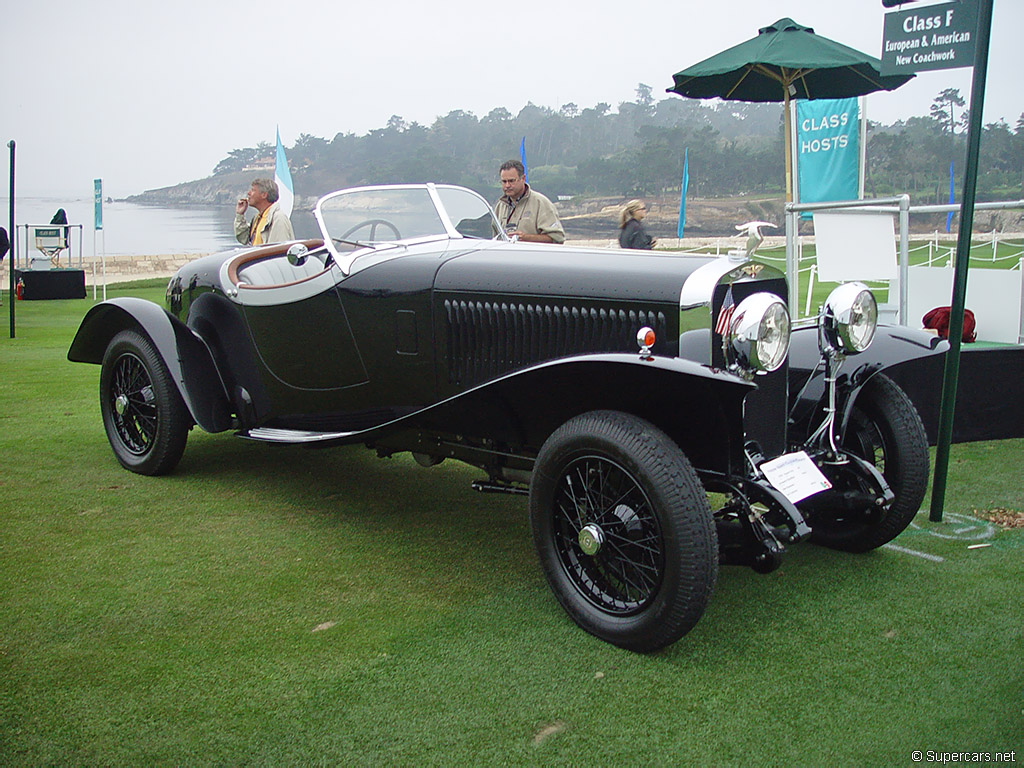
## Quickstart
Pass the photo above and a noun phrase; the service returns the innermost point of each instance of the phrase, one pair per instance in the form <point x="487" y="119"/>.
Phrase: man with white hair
<point x="270" y="224"/>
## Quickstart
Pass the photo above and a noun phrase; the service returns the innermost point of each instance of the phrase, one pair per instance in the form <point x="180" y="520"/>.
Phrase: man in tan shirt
<point x="524" y="213"/>
<point x="270" y="224"/>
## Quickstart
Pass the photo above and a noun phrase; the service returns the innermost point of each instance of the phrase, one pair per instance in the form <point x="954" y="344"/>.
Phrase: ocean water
<point x="141" y="230"/>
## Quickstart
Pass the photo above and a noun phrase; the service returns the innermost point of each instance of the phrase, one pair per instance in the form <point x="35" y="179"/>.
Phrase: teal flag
<point x="522" y="159"/>
<point x="683" y="185"/>
<point x="828" y="149"/>
<point x="98" y="197"/>
<point x="283" y="178"/>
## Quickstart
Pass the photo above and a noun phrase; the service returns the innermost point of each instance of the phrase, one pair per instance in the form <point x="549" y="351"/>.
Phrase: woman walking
<point x="631" y="229"/>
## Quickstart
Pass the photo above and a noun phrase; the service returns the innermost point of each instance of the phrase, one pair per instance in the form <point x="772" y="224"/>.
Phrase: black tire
<point x="651" y="579"/>
<point x="144" y="416"/>
<point x="886" y="430"/>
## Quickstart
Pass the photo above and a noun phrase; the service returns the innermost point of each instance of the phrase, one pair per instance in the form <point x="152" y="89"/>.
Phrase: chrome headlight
<point x="757" y="335"/>
<point x="849" y="318"/>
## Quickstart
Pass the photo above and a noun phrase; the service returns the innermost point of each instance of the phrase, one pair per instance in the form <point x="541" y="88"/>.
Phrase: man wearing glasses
<point x="524" y="213"/>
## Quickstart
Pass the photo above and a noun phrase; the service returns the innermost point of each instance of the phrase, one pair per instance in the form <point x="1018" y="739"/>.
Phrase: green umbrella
<point x="785" y="60"/>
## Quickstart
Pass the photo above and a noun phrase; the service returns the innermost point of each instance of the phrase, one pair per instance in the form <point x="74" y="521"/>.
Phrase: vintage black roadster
<point x="659" y="409"/>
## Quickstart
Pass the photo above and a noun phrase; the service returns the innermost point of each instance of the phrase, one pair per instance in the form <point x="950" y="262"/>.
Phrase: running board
<point x="292" y="436"/>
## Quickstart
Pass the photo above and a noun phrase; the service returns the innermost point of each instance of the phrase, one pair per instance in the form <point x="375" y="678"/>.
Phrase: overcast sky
<point x="146" y="95"/>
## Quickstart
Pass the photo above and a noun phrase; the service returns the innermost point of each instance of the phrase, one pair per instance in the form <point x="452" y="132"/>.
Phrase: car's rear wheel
<point x="623" y="530"/>
<point x="144" y="416"/>
<point x="885" y="430"/>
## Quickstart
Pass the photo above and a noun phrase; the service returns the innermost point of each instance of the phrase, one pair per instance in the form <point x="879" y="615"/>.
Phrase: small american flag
<point x="728" y="307"/>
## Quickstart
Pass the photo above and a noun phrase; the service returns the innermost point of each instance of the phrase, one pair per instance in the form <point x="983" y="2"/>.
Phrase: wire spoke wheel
<point x="623" y="530"/>
<point x="135" y="414"/>
<point x="144" y="416"/>
<point x="865" y="440"/>
<point x="625" y="573"/>
<point x="885" y="430"/>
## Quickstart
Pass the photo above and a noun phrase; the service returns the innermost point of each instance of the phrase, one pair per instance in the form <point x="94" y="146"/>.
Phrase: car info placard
<point x="795" y="476"/>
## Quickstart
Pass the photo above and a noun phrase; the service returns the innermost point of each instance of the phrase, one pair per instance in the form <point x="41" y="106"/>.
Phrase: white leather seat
<point x="277" y="271"/>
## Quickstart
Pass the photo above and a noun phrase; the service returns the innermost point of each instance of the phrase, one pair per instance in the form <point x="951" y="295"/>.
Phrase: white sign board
<point x="855" y="246"/>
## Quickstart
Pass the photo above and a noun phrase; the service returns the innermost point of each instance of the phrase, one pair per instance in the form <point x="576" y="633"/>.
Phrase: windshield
<point x="380" y="215"/>
<point x="470" y="215"/>
<point x="367" y="217"/>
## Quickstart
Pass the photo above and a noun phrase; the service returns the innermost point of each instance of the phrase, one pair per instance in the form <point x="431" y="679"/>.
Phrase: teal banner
<point x="828" y="151"/>
<point x="98" y="197"/>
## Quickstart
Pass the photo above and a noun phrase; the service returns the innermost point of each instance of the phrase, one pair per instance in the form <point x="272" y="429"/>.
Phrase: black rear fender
<point x="186" y="355"/>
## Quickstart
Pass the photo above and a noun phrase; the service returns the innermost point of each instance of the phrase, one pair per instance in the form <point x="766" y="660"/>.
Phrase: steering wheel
<point x="373" y="224"/>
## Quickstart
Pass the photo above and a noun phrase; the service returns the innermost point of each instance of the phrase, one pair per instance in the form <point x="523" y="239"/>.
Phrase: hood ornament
<point x="752" y="231"/>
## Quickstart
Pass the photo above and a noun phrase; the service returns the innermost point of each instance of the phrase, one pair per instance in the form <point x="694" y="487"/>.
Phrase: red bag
<point x="938" y="319"/>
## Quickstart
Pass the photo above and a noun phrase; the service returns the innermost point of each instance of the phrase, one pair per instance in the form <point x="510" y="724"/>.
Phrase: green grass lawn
<point x="1006" y="256"/>
<point x="284" y="606"/>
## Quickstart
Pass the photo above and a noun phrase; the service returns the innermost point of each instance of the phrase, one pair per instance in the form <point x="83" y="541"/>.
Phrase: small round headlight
<point x="758" y="335"/>
<point x="850" y="318"/>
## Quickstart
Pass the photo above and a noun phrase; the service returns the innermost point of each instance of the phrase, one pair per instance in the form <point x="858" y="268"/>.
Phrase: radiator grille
<point x="485" y="339"/>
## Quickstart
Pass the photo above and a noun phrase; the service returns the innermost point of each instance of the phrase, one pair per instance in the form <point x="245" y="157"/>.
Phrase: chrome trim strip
<point x="695" y="321"/>
<point x="272" y="435"/>
<point x="700" y="285"/>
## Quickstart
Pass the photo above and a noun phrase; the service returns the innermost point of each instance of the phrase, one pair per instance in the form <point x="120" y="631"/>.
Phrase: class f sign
<point x="915" y="23"/>
<point x="934" y="37"/>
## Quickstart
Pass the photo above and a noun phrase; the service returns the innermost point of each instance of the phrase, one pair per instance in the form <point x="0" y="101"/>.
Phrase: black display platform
<point x="51" y="283"/>
<point x="989" y="396"/>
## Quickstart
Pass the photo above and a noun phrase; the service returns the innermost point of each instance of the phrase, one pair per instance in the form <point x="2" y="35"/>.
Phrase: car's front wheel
<point x="623" y="530"/>
<point x="885" y="430"/>
<point x="144" y="416"/>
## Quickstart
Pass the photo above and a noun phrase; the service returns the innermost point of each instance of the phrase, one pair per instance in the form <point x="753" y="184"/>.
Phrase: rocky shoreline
<point x="591" y="218"/>
<point x="123" y="268"/>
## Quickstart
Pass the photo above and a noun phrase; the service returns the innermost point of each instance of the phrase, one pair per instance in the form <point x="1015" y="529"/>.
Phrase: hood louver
<point x="487" y="339"/>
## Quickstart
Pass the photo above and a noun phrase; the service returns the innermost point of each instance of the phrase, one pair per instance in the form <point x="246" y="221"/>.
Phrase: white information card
<point x="795" y="475"/>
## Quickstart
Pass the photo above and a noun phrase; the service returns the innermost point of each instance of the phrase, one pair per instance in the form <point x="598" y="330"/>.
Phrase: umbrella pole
<point x="789" y="152"/>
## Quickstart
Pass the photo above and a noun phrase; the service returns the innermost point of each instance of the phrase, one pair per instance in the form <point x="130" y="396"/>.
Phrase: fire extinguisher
<point x="19" y="289"/>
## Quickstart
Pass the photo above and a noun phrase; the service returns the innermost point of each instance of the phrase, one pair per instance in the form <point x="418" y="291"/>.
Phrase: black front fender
<point x="186" y="355"/>
<point x="892" y="346"/>
<point x="701" y="409"/>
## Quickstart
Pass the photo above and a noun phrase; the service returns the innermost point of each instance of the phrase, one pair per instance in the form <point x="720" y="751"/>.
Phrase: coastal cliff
<point x="583" y="218"/>
<point x="222" y="189"/>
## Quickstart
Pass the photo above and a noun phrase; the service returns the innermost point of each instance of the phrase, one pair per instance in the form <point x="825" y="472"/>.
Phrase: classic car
<point x="658" y="409"/>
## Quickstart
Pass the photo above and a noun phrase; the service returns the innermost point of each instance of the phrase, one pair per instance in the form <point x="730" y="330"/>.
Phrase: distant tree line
<point x="735" y="148"/>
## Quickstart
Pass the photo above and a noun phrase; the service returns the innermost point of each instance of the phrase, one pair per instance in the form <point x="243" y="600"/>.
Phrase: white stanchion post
<point x="904" y="258"/>
<point x="810" y="289"/>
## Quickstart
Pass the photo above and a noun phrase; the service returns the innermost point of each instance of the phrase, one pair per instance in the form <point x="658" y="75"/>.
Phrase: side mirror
<point x="297" y="255"/>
